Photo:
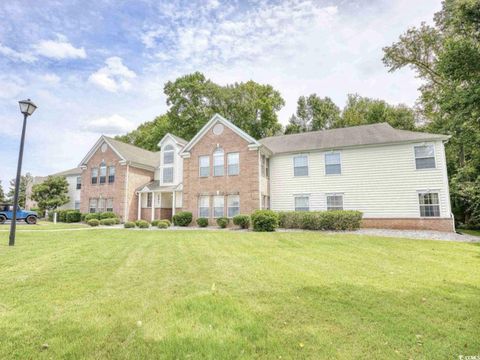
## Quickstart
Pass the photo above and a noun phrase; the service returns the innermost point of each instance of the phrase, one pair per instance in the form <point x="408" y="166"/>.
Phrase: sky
<point x="98" y="67"/>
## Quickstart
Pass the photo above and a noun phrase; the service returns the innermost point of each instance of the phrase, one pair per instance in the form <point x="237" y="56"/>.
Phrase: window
<point x="265" y="166"/>
<point x="425" y="157"/>
<point x="168" y="154"/>
<point x="333" y="164"/>
<point x="101" y="205"/>
<point x="233" y="163"/>
<point x="204" y="206"/>
<point x="149" y="199"/>
<point x="300" y="165"/>
<point x="168" y="174"/>
<point x="110" y="204"/>
<point x="233" y="205"/>
<point x="302" y="203"/>
<point x="79" y="182"/>
<point x="266" y="202"/>
<point x="334" y="202"/>
<point x="204" y="165"/>
<point x="429" y="204"/>
<point x="92" y="207"/>
<point x="218" y="206"/>
<point x="77" y="205"/>
<point x="103" y="173"/>
<point x="111" y="174"/>
<point x="218" y="162"/>
<point x="94" y="175"/>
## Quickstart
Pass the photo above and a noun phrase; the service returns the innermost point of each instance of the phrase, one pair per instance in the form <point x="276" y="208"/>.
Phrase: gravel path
<point x="419" y="234"/>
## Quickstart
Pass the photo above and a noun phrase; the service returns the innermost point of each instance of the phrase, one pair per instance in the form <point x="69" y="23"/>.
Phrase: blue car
<point x="6" y="213"/>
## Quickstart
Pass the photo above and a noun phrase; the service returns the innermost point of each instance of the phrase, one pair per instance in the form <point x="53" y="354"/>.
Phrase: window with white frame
<point x="109" y="205"/>
<point x="425" y="157"/>
<point x="92" y="206"/>
<point x="218" y="162"/>
<point x="77" y="205"/>
<point x="111" y="174"/>
<point x="204" y="165"/>
<point x="79" y="182"/>
<point x="233" y="205"/>
<point x="101" y="205"/>
<point x="149" y="199"/>
<point x="218" y="206"/>
<point x="103" y="173"/>
<point x="334" y="202"/>
<point x="300" y="165"/>
<point x="333" y="164"/>
<point x="204" y="206"/>
<point x="94" y="175"/>
<point x="429" y="204"/>
<point x="168" y="174"/>
<point x="302" y="203"/>
<point x="168" y="155"/>
<point x="233" y="163"/>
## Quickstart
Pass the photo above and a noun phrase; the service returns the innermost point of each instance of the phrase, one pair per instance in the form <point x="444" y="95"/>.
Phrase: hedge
<point x="107" y="221"/>
<point x="242" y="220"/>
<point x="223" y="222"/>
<point x="93" y="222"/>
<point x="321" y="220"/>
<point x="142" y="224"/>
<point x="129" y="225"/>
<point x="107" y="215"/>
<point x="264" y="220"/>
<point x="202" y="222"/>
<point x="163" y="224"/>
<point x="73" y="216"/>
<point x="91" y="216"/>
<point x="182" y="218"/>
<point x="155" y="222"/>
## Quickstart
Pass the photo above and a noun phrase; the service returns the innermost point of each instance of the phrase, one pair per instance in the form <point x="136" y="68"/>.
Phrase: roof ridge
<point x="128" y="144"/>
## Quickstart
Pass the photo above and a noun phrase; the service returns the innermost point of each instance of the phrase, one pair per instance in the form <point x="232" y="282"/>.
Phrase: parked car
<point x="6" y="213"/>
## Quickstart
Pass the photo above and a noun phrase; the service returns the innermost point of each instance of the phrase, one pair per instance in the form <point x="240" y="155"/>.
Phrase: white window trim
<point x="325" y="162"/>
<point x="200" y="167"/>
<point x="434" y="156"/>
<point x="238" y="173"/>
<point x="428" y="191"/>
<point x="213" y="161"/>
<point x="213" y="206"/>
<point x="335" y="194"/>
<point x="199" y="207"/>
<point x="308" y="165"/>
<point x="308" y="196"/>
<point x="229" y="207"/>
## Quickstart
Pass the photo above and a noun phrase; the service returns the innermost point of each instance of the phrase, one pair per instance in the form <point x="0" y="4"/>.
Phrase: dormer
<point x="171" y="164"/>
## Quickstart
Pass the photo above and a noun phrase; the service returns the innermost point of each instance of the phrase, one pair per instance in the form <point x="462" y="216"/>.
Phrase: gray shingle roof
<point x="155" y="186"/>
<point x="381" y="133"/>
<point x="135" y="154"/>
<point x="74" y="171"/>
<point x="180" y="140"/>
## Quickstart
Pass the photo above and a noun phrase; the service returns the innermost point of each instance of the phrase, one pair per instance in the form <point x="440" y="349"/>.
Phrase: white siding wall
<point x="73" y="193"/>
<point x="177" y="165"/>
<point x="380" y="181"/>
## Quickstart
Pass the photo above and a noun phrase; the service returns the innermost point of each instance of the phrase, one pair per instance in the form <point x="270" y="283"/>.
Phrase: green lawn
<point x="103" y="294"/>
<point x="43" y="225"/>
<point x="471" y="232"/>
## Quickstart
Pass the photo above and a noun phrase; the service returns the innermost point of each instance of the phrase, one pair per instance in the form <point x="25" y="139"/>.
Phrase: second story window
<point x="300" y="165"/>
<point x="168" y="154"/>
<point x="233" y="163"/>
<point x="333" y="165"/>
<point x="425" y="157"/>
<point x="168" y="160"/>
<point x="204" y="166"/>
<point x="111" y="174"/>
<point x="218" y="162"/>
<point x="168" y="174"/>
<point x="79" y="182"/>
<point x="94" y="175"/>
<point x="103" y="173"/>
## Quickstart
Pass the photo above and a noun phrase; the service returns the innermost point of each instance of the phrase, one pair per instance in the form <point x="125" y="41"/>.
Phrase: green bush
<point x="117" y="220"/>
<point x="155" y="222"/>
<point x="62" y="215"/>
<point x="242" y="220"/>
<point x="129" y="225"/>
<point x="91" y="216"/>
<point x="321" y="220"/>
<point x="202" y="222"/>
<point x="137" y="222"/>
<point x="182" y="218"/>
<point x="93" y="222"/>
<point x="142" y="224"/>
<point x="223" y="222"/>
<point x="163" y="224"/>
<point x="107" y="222"/>
<point x="167" y="221"/>
<point x="73" y="216"/>
<point x="264" y="220"/>
<point x="107" y="215"/>
<point x="40" y="212"/>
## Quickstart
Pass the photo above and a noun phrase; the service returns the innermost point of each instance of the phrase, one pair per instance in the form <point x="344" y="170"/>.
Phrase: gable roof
<point x="70" y="172"/>
<point x="219" y="119"/>
<point x="381" y="133"/>
<point x="134" y="155"/>
<point x="177" y="139"/>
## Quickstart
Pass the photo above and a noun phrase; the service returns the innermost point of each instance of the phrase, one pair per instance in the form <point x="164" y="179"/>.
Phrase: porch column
<point x="173" y="203"/>
<point x="139" y="210"/>
<point x="153" y="206"/>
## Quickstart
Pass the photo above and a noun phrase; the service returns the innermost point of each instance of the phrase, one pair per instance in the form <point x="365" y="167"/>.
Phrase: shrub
<point x="155" y="222"/>
<point x="92" y="216"/>
<point x="167" y="221"/>
<point x="202" y="222"/>
<point x="93" y="222"/>
<point x="73" y="216"/>
<point x="107" y="215"/>
<point x="129" y="225"/>
<point x="242" y="220"/>
<point x="290" y="219"/>
<point x="39" y="212"/>
<point x="117" y="220"/>
<point x="137" y="222"/>
<point x="62" y="215"/>
<point x="321" y="220"/>
<point x="182" y="218"/>
<point x="162" y="224"/>
<point x="264" y="220"/>
<point x="84" y="215"/>
<point x="107" y="222"/>
<point x="223" y="222"/>
<point x="142" y="224"/>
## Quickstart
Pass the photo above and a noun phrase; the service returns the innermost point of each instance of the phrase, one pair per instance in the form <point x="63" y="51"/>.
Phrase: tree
<point x="25" y="180"/>
<point x="446" y="57"/>
<point x="51" y="193"/>
<point x="148" y="134"/>
<point x="313" y="113"/>
<point x="2" y="193"/>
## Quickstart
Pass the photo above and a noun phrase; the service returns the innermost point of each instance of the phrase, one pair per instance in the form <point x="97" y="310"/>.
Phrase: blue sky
<point x="98" y="67"/>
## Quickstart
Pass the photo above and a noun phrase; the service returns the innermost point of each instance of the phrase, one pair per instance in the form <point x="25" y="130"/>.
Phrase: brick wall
<point x="246" y="184"/>
<point x="136" y="178"/>
<point x="435" y="224"/>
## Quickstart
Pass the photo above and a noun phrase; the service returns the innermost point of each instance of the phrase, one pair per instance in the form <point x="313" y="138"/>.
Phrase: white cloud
<point x="16" y="55"/>
<point x="59" y="49"/>
<point x="114" y="76"/>
<point x="50" y="78"/>
<point x="111" y="125"/>
<point x="11" y="87"/>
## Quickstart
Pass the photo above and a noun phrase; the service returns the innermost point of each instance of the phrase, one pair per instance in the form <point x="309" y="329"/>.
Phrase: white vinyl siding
<point x="380" y="181"/>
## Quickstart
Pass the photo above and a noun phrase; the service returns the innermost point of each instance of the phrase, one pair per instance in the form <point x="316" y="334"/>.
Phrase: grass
<point x="123" y="294"/>
<point x="471" y="232"/>
<point x="44" y="225"/>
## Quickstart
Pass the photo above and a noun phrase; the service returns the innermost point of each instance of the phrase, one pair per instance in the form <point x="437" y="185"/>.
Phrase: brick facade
<point x="246" y="184"/>
<point x="435" y="224"/>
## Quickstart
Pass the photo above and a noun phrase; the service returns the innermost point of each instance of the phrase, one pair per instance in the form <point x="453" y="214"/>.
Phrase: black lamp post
<point x="27" y="107"/>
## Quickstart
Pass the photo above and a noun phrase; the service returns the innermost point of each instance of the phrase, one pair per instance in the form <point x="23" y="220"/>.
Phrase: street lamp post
<point x="27" y="107"/>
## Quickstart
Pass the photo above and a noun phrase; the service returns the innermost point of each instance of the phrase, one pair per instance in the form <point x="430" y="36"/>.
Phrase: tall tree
<point x="313" y="113"/>
<point x="2" y="193"/>
<point x="148" y="134"/>
<point x="25" y="180"/>
<point x="446" y="57"/>
<point x="51" y="193"/>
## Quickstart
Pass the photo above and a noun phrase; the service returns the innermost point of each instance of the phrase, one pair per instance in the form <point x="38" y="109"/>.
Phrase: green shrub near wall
<point x="142" y="224"/>
<point x="242" y="220"/>
<point x="91" y="216"/>
<point x="129" y="225"/>
<point x="264" y="220"/>
<point x="107" y="215"/>
<point x="182" y="218"/>
<point x="223" y="222"/>
<point x="155" y="222"/>
<point x="202" y="222"/>
<point x="93" y="222"/>
<point x="107" y="221"/>
<point x="73" y="216"/>
<point x="163" y="224"/>
<point x="321" y="220"/>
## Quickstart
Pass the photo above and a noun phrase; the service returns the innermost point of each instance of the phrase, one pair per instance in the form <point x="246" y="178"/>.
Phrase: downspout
<point x="446" y="184"/>
<point x="125" y="210"/>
